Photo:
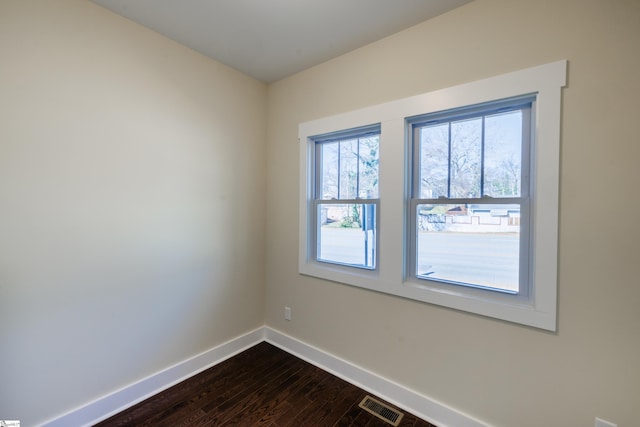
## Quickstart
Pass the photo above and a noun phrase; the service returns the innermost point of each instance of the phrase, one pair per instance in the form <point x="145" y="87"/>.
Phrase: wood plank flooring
<point x="262" y="386"/>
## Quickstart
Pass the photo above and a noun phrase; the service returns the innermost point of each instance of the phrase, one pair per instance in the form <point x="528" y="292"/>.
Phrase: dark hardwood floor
<point x="262" y="386"/>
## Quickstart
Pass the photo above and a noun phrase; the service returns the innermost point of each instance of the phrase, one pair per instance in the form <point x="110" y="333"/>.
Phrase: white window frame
<point x="317" y="199"/>
<point x="524" y="199"/>
<point x="391" y="275"/>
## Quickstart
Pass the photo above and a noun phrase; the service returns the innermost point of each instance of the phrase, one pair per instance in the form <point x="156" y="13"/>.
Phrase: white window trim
<point x="390" y="276"/>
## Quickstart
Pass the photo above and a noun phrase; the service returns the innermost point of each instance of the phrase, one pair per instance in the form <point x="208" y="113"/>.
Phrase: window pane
<point x="466" y="152"/>
<point x="330" y="169"/>
<point x="434" y="161"/>
<point x="503" y="154"/>
<point x="473" y="245"/>
<point x="348" y="169"/>
<point x="369" y="160"/>
<point x="347" y="234"/>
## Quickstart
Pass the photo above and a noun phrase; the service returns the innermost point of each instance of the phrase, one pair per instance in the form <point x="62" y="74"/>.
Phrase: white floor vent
<point x="380" y="410"/>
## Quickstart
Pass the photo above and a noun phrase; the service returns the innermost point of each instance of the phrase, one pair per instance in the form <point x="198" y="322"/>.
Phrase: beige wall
<point x="131" y="201"/>
<point x="504" y="374"/>
<point x="131" y="205"/>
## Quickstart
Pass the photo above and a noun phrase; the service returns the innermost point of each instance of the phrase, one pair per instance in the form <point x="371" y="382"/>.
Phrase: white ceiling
<point x="272" y="39"/>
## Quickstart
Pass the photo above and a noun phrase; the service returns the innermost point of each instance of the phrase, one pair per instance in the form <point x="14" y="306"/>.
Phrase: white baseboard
<point x="130" y="395"/>
<point x="400" y="396"/>
<point x="424" y="407"/>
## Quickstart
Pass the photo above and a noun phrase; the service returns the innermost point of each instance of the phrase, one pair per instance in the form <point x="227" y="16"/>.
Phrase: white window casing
<point x="391" y="275"/>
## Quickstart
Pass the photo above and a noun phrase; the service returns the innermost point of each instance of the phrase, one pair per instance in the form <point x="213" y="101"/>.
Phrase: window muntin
<point x="346" y="197"/>
<point x="470" y="180"/>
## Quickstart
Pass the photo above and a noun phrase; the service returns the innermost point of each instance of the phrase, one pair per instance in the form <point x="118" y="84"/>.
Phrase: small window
<point x="470" y="190"/>
<point x="346" y="197"/>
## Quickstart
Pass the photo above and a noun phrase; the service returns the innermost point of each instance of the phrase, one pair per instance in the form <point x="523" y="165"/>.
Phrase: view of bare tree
<point x="464" y="158"/>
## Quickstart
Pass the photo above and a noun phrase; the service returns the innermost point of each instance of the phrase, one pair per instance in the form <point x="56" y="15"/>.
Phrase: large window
<point x="469" y="204"/>
<point x="449" y="197"/>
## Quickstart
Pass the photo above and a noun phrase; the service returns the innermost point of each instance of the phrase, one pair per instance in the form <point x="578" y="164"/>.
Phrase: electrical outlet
<point x="603" y="423"/>
<point x="287" y="314"/>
